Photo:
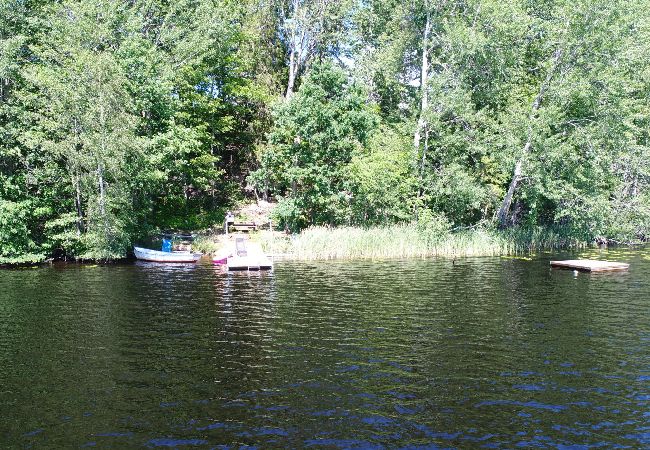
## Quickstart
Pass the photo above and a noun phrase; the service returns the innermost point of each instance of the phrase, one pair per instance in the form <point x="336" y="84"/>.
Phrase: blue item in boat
<point x="167" y="245"/>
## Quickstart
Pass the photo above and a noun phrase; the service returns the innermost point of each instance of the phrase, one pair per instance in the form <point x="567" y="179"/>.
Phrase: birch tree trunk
<point x="75" y="178"/>
<point x="294" y="57"/>
<point x="517" y="173"/>
<point x="424" y="79"/>
<point x="103" y="148"/>
<point x="292" y="75"/>
<point x="102" y="194"/>
<point x="424" y="103"/>
<point x="77" y="202"/>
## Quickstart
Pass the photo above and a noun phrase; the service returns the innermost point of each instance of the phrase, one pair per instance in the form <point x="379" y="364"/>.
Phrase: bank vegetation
<point x="379" y="127"/>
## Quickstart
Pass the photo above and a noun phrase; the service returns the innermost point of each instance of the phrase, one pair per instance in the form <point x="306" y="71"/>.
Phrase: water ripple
<point x="482" y="352"/>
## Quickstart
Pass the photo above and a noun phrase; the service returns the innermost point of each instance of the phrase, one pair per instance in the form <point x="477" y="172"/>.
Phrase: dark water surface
<point x="480" y="353"/>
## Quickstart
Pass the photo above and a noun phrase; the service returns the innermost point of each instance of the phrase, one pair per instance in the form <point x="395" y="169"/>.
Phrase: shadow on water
<point x="483" y="352"/>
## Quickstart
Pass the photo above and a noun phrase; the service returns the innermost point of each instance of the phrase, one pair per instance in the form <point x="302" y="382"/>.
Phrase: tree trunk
<point x="4" y="88"/>
<point x="77" y="201"/>
<point x="293" y="69"/>
<point x="103" y="148"/>
<point x="424" y="104"/>
<point x="424" y="79"/>
<point x="504" y="210"/>
<point x="294" y="59"/>
<point x="102" y="194"/>
<point x="422" y="162"/>
<point x="507" y="200"/>
<point x="74" y="177"/>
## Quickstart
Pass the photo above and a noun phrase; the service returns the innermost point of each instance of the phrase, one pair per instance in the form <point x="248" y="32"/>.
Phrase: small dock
<point x="249" y="263"/>
<point x="588" y="265"/>
<point x="248" y="256"/>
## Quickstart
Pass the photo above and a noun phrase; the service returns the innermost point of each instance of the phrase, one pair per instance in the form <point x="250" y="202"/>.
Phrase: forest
<point x="122" y="118"/>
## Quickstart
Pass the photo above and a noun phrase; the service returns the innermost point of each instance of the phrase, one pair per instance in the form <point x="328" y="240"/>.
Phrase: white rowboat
<point x="146" y="254"/>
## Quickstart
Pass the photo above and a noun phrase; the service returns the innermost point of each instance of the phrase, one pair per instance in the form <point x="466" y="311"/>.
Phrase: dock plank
<point x="589" y="265"/>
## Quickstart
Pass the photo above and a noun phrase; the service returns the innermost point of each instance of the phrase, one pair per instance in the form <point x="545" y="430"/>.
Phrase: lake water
<point x="473" y="353"/>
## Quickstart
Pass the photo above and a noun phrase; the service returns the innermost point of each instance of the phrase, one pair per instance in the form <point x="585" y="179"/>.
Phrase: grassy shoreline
<point x="409" y="241"/>
<point x="381" y="242"/>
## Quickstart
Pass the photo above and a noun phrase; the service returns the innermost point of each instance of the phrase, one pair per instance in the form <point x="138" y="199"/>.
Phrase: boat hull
<point x="145" y="254"/>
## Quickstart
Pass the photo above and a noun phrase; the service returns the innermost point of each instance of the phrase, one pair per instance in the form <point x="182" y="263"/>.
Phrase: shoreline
<point x="380" y="243"/>
<point x="407" y="241"/>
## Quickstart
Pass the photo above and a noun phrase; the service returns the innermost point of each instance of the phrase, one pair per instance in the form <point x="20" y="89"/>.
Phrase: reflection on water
<point x="485" y="352"/>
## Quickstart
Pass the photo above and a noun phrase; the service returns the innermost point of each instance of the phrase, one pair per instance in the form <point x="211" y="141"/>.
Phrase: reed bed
<point x="411" y="241"/>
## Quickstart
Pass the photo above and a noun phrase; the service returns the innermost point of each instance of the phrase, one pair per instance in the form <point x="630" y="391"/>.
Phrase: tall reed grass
<point x="408" y="241"/>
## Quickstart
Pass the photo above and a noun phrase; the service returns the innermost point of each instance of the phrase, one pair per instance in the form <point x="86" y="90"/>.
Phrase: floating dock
<point x="588" y="265"/>
<point x="247" y="256"/>
<point x="249" y="263"/>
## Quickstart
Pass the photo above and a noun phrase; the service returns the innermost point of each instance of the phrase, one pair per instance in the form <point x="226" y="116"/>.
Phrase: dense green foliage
<point x="311" y="144"/>
<point x="120" y="118"/>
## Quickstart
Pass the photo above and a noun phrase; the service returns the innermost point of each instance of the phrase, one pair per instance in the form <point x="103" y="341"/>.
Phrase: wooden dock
<point x="248" y="256"/>
<point x="588" y="265"/>
<point x="249" y="263"/>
